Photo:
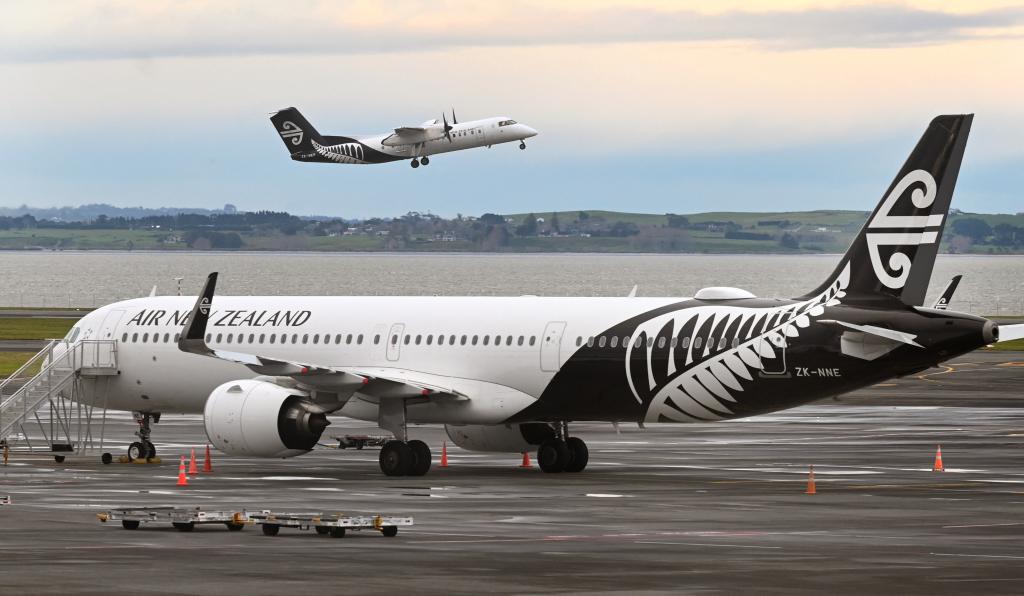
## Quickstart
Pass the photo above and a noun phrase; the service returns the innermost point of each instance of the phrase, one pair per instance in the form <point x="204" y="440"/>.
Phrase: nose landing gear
<point x="143" y="448"/>
<point x="522" y="144"/>
<point x="563" y="453"/>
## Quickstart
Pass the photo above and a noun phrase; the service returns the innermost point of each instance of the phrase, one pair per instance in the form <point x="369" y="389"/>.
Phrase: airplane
<point x="942" y="302"/>
<point x="510" y="374"/>
<point x="415" y="143"/>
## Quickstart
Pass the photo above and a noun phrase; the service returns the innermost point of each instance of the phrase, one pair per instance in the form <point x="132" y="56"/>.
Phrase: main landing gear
<point x="401" y="458"/>
<point x="143" y="448"/>
<point x="563" y="453"/>
<point x="417" y="161"/>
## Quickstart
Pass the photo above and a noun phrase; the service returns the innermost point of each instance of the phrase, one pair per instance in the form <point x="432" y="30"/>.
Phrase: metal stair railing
<point x="56" y="383"/>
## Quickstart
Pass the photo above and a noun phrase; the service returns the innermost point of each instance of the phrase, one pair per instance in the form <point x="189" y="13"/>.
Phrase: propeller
<point x="447" y="127"/>
<point x="454" y="119"/>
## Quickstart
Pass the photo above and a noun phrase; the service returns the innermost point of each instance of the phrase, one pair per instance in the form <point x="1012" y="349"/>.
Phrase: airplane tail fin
<point x="893" y="255"/>
<point x="296" y="132"/>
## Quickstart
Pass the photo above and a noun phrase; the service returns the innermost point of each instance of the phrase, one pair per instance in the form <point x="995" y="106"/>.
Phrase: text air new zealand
<point x="512" y="374"/>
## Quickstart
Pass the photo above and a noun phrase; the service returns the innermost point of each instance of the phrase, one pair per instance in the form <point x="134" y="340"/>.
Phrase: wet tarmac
<point x="715" y="508"/>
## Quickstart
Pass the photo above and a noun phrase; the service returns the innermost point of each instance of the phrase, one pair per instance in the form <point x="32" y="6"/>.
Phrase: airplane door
<point x="550" y="344"/>
<point x="103" y="352"/>
<point x="773" y="356"/>
<point x="395" y="341"/>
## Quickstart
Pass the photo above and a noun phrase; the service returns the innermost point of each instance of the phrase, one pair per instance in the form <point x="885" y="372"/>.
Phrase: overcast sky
<point x="641" y="106"/>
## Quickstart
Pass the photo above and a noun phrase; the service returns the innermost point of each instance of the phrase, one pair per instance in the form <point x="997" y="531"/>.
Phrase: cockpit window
<point x="506" y="123"/>
<point x="72" y="335"/>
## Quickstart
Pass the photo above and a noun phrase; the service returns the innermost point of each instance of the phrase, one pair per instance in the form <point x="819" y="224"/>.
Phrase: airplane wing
<point x="374" y="383"/>
<point x="1011" y="332"/>
<point x="410" y="130"/>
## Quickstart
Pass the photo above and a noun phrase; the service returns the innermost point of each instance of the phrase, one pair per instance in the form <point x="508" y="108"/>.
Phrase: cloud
<point x="42" y="32"/>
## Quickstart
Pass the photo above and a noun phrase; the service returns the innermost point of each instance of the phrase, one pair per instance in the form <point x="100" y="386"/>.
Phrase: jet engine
<point x="505" y="438"/>
<point x="261" y="419"/>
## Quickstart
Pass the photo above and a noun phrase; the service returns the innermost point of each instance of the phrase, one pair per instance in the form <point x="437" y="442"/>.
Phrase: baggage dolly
<point x="5" y="500"/>
<point x="335" y="524"/>
<point x="183" y="519"/>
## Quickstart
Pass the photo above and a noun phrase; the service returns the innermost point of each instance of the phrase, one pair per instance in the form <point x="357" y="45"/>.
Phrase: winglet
<point x="947" y="295"/>
<point x="193" y="338"/>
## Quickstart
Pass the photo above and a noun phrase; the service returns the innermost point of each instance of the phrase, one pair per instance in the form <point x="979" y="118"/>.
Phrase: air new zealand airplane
<point x="512" y="374"/>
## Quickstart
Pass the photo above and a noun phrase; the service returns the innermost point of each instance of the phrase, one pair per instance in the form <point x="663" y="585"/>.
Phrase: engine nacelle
<point x="504" y="438"/>
<point x="261" y="419"/>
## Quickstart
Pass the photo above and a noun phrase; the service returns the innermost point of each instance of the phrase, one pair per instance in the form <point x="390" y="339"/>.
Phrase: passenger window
<point x="686" y="342"/>
<point x="533" y="340"/>
<point x="451" y="340"/>
<point x="418" y="339"/>
<point x="337" y="339"/>
<point x="463" y="340"/>
<point x="407" y="339"/>
<point x="135" y="338"/>
<point x="474" y="340"/>
<point x="590" y="342"/>
<point x="674" y="342"/>
<point x="376" y="339"/>
<point x="394" y="340"/>
<point x="177" y="337"/>
<point x="579" y="341"/>
<point x="124" y="338"/>
<point x="316" y="338"/>
<point x="615" y="341"/>
<point x="167" y="336"/>
<point x="625" y="340"/>
<point x="273" y="336"/>
<point x="508" y="341"/>
<point x="327" y="338"/>
<point x="263" y="336"/>
<point x="520" y="340"/>
<point x="735" y="342"/>
<point x="305" y="337"/>
<point x="430" y="340"/>
<point x="252" y="338"/>
<point x="348" y="339"/>
<point x="650" y="342"/>
<point x="209" y="337"/>
<point x="145" y="337"/>
<point x="661" y="342"/>
<point x="696" y="343"/>
<point x="228" y="340"/>
<point x="295" y="338"/>
<point x="722" y="343"/>
<point x="601" y="341"/>
<point x="359" y="340"/>
<point x="219" y="338"/>
<point x="487" y="338"/>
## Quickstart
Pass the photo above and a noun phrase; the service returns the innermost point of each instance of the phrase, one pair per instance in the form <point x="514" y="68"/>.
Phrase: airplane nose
<point x="529" y="132"/>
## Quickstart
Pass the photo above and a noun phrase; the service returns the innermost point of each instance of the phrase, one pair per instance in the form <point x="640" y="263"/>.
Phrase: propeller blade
<point x="447" y="128"/>
<point x="454" y="119"/>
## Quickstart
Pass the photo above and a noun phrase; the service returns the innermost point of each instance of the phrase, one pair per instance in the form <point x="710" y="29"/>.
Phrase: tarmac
<point x="703" y="508"/>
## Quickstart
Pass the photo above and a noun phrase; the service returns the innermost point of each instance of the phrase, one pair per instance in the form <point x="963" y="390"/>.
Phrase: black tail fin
<point x="893" y="255"/>
<point x="296" y="132"/>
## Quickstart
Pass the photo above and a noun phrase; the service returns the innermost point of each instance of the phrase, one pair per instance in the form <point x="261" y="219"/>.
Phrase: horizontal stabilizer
<point x="890" y="334"/>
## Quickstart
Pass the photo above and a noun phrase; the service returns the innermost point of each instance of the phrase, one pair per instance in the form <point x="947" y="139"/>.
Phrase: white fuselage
<point x="464" y="135"/>
<point x="504" y="350"/>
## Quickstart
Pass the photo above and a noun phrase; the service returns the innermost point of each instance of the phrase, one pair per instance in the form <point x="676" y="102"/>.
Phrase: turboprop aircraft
<point x="512" y="374"/>
<point x="415" y="143"/>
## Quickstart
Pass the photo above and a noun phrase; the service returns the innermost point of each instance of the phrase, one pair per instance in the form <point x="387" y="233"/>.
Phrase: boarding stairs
<point x="49" y="408"/>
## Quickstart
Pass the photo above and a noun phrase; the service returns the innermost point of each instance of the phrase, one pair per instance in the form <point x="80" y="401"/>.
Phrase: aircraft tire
<point x="396" y="458"/>
<point x="415" y="163"/>
<point x="425" y="160"/>
<point x="150" y="450"/>
<point x="553" y="456"/>
<point x="421" y="458"/>
<point x="322" y="530"/>
<point x="337" y="532"/>
<point x="136" y="451"/>
<point x="579" y="455"/>
<point x="522" y="145"/>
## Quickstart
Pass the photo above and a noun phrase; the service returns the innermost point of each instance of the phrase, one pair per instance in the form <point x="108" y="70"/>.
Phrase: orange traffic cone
<point x="207" y="461"/>
<point x="192" y="471"/>
<point x="444" y="454"/>
<point x="938" y="461"/>
<point x="182" y="478"/>
<point x="526" y="460"/>
<point x="811" y="489"/>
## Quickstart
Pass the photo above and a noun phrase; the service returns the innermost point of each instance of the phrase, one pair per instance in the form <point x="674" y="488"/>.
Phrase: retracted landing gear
<point x="143" y="448"/>
<point x="563" y="453"/>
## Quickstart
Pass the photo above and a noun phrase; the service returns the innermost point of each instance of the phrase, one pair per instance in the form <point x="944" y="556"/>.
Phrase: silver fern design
<point x="341" y="153"/>
<point x="698" y="379"/>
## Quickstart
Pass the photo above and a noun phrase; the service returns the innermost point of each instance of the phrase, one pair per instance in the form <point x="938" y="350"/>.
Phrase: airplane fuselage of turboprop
<point x="536" y="359"/>
<point x="383" y="148"/>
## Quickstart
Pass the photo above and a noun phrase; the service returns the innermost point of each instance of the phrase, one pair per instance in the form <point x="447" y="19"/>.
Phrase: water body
<point x="991" y="285"/>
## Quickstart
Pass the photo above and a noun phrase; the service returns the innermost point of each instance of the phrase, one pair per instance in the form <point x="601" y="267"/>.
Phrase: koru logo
<point x="290" y="132"/>
<point x="204" y="306"/>
<point x="911" y="228"/>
